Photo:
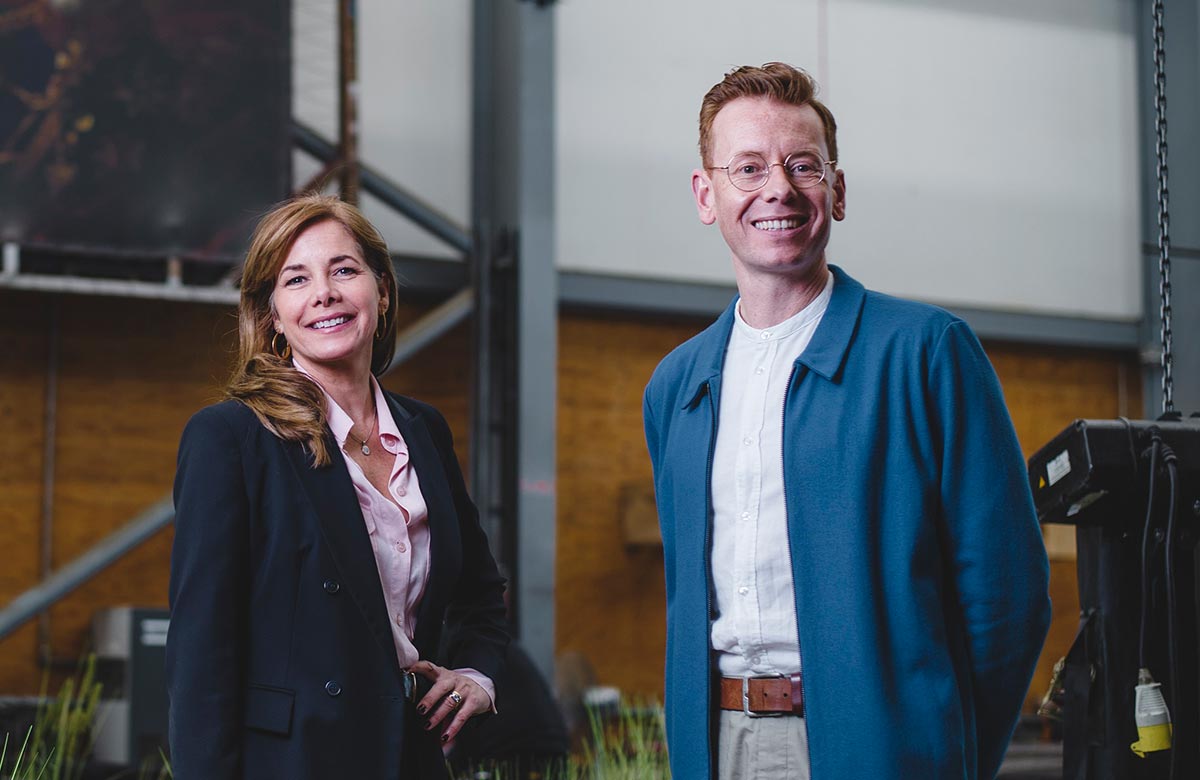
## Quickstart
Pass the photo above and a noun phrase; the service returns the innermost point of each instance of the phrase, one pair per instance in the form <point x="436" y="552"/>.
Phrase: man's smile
<point x="788" y="223"/>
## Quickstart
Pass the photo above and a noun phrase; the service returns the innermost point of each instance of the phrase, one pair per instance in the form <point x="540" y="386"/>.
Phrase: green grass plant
<point x="21" y="769"/>
<point x="58" y="744"/>
<point x="629" y="744"/>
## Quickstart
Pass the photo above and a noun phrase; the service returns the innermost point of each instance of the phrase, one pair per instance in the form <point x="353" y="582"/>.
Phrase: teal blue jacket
<point x="919" y="569"/>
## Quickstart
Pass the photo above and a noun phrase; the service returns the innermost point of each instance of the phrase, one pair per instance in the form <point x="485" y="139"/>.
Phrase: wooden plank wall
<point x="610" y="596"/>
<point x="1045" y="390"/>
<point x="22" y="358"/>
<point x="131" y="372"/>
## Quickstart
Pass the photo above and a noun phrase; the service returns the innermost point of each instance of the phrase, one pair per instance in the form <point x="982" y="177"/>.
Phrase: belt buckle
<point x="410" y="685"/>
<point x="746" y="697"/>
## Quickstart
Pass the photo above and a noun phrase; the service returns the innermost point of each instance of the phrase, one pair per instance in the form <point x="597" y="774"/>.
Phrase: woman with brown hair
<point x="323" y="535"/>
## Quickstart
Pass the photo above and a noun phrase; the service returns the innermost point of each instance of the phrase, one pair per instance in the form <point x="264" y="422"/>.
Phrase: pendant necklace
<point x="362" y="443"/>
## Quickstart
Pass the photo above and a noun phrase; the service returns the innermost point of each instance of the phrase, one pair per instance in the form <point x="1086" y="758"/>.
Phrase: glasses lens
<point x="748" y="171"/>
<point x="805" y="169"/>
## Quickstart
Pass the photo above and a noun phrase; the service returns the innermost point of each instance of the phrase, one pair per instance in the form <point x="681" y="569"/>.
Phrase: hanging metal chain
<point x="1164" y="221"/>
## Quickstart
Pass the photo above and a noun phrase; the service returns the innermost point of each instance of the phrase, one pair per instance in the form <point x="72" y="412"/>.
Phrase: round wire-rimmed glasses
<point x="750" y="171"/>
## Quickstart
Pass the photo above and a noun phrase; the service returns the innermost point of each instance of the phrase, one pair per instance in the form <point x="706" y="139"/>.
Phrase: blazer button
<point x="333" y="689"/>
<point x="332" y="586"/>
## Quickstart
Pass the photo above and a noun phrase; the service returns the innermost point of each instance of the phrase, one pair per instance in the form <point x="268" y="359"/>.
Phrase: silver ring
<point x="455" y="698"/>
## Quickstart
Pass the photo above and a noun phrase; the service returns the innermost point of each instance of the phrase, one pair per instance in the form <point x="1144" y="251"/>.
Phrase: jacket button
<point x="332" y="586"/>
<point x="333" y="689"/>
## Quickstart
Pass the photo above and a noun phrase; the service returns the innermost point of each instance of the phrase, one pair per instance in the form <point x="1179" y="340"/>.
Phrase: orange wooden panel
<point x="23" y="358"/>
<point x="1046" y="388"/>
<point x="610" y="597"/>
<point x="130" y="374"/>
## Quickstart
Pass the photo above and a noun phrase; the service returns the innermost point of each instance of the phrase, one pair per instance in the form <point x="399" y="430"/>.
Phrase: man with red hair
<point x="856" y="581"/>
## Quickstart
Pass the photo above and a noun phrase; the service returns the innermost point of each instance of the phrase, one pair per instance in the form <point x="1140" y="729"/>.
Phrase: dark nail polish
<point x="428" y="725"/>
<point x="445" y="738"/>
<point x="420" y="709"/>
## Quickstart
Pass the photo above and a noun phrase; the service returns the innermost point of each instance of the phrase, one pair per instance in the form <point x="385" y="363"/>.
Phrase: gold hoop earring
<point x="287" y="348"/>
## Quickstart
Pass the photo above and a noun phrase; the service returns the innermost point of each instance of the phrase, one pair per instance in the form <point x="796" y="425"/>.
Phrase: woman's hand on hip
<point x="453" y="699"/>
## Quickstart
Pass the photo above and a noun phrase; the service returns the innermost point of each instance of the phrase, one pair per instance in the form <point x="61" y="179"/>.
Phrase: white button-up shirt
<point x="755" y="630"/>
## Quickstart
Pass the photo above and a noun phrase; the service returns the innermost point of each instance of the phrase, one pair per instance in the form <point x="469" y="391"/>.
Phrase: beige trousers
<point x="761" y="748"/>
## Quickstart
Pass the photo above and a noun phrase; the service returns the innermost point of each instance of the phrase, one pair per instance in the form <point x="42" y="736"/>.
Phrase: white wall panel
<point x="630" y="78"/>
<point x="991" y="153"/>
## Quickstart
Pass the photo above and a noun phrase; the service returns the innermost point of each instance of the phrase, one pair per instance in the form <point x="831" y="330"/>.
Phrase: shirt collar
<point x="824" y="355"/>
<point x="791" y="325"/>
<point x="340" y="422"/>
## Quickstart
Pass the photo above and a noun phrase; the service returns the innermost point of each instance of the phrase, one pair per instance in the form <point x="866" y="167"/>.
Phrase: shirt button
<point x="400" y="546"/>
<point x="743" y="590"/>
<point x="766" y="334"/>
<point x="331" y="586"/>
<point x="400" y="620"/>
<point x="758" y="370"/>
<point x="745" y="515"/>
<point x="748" y="440"/>
<point x="401" y="492"/>
<point x="333" y="689"/>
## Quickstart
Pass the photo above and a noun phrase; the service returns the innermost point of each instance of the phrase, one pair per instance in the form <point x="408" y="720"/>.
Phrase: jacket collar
<point x="824" y="355"/>
<point x="426" y="460"/>
<point x="340" y="519"/>
<point x="331" y="494"/>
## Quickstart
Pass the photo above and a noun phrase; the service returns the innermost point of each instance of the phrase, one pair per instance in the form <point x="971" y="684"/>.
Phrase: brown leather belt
<point x="763" y="696"/>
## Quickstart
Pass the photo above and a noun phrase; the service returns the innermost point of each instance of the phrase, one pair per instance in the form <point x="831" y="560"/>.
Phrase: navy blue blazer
<point x="280" y="660"/>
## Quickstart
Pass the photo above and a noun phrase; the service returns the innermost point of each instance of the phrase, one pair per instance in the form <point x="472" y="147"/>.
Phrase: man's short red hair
<point x="775" y="80"/>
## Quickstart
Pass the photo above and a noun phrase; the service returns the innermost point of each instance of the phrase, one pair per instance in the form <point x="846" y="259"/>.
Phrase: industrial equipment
<point x="1130" y="684"/>
<point x="131" y="718"/>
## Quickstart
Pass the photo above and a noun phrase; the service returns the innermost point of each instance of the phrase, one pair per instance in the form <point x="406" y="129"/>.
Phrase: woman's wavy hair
<point x="287" y="402"/>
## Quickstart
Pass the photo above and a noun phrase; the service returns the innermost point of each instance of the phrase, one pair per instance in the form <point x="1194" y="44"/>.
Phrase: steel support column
<point x="348" y="98"/>
<point x="512" y="210"/>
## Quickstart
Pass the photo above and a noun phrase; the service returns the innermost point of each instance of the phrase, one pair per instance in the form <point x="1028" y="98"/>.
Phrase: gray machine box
<point x="131" y="718"/>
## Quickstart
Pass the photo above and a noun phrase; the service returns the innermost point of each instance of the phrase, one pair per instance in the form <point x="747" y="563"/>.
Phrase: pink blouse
<point x="399" y="531"/>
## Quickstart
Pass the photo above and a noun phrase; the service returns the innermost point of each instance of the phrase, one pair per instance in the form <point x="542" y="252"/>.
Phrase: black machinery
<point x="1128" y="691"/>
<point x="1132" y="490"/>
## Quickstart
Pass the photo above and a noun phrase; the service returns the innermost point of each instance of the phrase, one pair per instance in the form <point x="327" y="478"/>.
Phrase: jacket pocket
<point x="269" y="709"/>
